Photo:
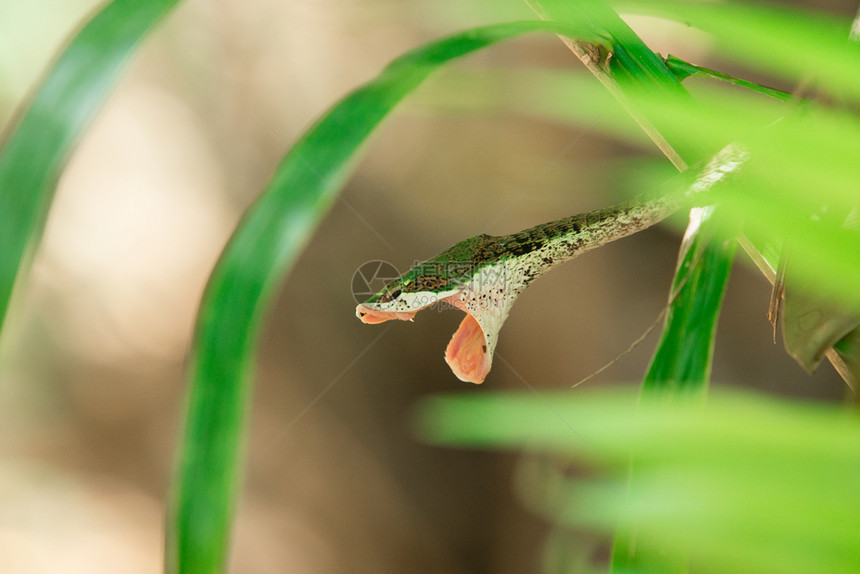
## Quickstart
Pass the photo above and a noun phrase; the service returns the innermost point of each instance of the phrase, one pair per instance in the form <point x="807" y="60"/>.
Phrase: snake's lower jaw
<point x="467" y="353"/>
<point x="374" y="316"/>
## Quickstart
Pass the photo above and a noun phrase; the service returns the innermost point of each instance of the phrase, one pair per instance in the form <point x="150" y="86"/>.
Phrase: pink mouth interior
<point x="467" y="352"/>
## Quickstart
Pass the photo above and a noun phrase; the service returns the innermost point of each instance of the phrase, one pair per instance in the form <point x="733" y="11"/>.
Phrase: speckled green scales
<point x="528" y="253"/>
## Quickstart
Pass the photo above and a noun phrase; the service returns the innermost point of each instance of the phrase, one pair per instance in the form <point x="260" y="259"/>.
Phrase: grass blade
<point x="683" y="70"/>
<point x="683" y="357"/>
<point x="38" y="146"/>
<point x="261" y="251"/>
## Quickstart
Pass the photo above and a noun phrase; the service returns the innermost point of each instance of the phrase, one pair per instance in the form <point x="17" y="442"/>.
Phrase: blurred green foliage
<point x="744" y="482"/>
<point x="38" y="144"/>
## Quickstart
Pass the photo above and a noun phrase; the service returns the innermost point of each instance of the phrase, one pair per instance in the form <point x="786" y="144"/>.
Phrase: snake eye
<point x="396" y="294"/>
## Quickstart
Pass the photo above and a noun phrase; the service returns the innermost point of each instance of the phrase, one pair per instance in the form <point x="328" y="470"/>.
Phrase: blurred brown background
<point x="94" y="353"/>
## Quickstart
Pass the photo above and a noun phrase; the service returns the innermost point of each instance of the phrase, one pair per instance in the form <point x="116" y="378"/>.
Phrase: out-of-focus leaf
<point x="810" y="327"/>
<point x="798" y="166"/>
<point x="796" y="188"/>
<point x="262" y="249"/>
<point x="776" y="40"/>
<point x="38" y="144"/>
<point x="567" y="552"/>
<point x="744" y="483"/>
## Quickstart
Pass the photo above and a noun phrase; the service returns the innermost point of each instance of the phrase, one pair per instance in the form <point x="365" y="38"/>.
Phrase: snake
<point x="483" y="275"/>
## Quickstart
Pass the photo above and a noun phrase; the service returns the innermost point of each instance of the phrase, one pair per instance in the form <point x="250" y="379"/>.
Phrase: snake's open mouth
<point x="467" y="353"/>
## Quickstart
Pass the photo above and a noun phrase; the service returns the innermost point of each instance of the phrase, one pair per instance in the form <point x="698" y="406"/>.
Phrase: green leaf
<point x="261" y="251"/>
<point x="742" y="483"/>
<point x="683" y="70"/>
<point x="682" y="361"/>
<point x="811" y="327"/>
<point x="39" y="144"/>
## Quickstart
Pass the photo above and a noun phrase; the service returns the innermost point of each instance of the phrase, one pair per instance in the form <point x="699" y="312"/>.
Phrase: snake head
<point x="401" y="299"/>
<point x="460" y="285"/>
<point x="387" y="305"/>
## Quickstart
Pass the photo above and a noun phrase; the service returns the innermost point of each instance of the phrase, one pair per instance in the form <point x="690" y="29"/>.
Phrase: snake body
<point x="483" y="275"/>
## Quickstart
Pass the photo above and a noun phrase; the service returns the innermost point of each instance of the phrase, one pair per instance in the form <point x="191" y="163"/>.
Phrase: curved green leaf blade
<point x="37" y="147"/>
<point x="262" y="249"/>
